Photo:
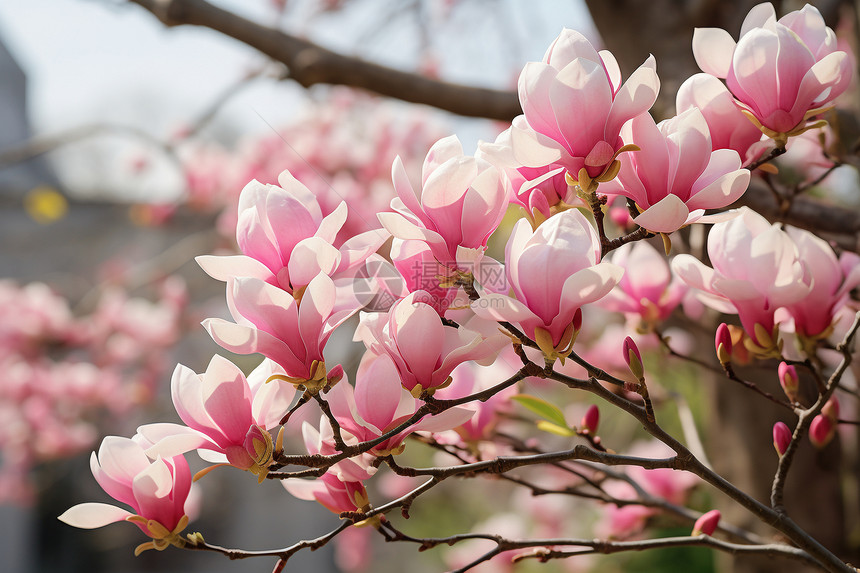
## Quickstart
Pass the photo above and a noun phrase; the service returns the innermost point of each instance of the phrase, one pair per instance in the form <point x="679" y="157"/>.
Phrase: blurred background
<point x="124" y="146"/>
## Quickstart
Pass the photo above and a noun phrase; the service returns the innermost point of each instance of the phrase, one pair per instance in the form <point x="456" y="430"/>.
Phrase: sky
<point x="105" y="61"/>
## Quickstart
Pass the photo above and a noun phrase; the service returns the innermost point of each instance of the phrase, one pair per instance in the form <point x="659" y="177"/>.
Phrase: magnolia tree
<point x="460" y="347"/>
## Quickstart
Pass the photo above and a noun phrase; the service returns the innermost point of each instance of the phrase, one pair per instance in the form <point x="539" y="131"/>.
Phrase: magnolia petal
<point x="418" y="333"/>
<point x="722" y="192"/>
<point x="589" y="284"/>
<point x="316" y="307"/>
<point x="405" y="191"/>
<point x="247" y="340"/>
<point x="610" y="64"/>
<point x="758" y="17"/>
<point x="93" y="515"/>
<point x="735" y="289"/>
<point x="300" y="192"/>
<point x="446" y="420"/>
<point x="404" y="229"/>
<point x="693" y="272"/>
<point x="222" y="268"/>
<point x="332" y="223"/>
<point x="440" y="152"/>
<point x="187" y="396"/>
<point x="503" y="308"/>
<point x="311" y="257"/>
<point x="713" y="49"/>
<point x="377" y="391"/>
<point x="271" y="399"/>
<point x="666" y="216"/>
<point x="533" y="149"/>
<point x="357" y="249"/>
<point x="177" y="444"/>
<point x="568" y="46"/>
<point x="635" y="97"/>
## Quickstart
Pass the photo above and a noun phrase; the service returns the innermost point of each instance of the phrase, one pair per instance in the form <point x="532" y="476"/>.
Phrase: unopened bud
<point x="707" y="523"/>
<point x="723" y="343"/>
<point x="781" y="437"/>
<point x="788" y="380"/>
<point x="334" y="376"/>
<point x="831" y="410"/>
<point x="821" y="431"/>
<point x="633" y="358"/>
<point x="590" y="420"/>
<point x="577" y="321"/>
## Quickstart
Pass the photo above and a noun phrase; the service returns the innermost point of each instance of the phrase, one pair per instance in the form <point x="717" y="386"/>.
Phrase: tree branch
<point x="311" y="64"/>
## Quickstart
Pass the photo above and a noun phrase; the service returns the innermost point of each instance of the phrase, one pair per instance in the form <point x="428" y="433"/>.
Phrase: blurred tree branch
<point x="311" y="64"/>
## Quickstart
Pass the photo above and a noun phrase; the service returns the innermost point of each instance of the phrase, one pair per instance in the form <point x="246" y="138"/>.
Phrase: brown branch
<point x="607" y="547"/>
<point x="590" y="546"/>
<point x="686" y="461"/>
<point x="806" y="416"/>
<point x="311" y="64"/>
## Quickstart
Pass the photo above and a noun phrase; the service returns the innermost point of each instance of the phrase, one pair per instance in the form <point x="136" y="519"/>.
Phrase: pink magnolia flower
<point x="421" y="270"/>
<point x="757" y="269"/>
<point x="320" y="440"/>
<point x="781" y="71"/>
<point x="424" y="351"/>
<point x="379" y="403"/>
<point x="677" y="174"/>
<point x="462" y="201"/>
<point x="552" y="272"/>
<point x="157" y="490"/>
<point x="648" y="291"/>
<point x="225" y="413"/>
<point x="331" y="492"/>
<point x="574" y="105"/>
<point x="535" y="189"/>
<point x="728" y="126"/>
<point x="285" y="239"/>
<point x="273" y="323"/>
<point x="833" y="281"/>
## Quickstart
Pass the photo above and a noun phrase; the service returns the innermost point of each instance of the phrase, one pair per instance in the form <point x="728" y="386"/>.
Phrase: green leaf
<point x="555" y="428"/>
<point x="542" y="408"/>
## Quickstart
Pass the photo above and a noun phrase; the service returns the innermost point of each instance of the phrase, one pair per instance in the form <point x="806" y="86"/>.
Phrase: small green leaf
<point x="554" y="428"/>
<point x="542" y="408"/>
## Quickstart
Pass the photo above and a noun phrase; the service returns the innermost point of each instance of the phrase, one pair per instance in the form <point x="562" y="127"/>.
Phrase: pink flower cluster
<point x="63" y="373"/>
<point x="762" y="274"/>
<point x="437" y="305"/>
<point x="781" y="72"/>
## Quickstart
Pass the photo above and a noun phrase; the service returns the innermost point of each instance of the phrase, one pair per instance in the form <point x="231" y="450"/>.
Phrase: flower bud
<point x="788" y="380"/>
<point x="723" y="343"/>
<point x="781" y="437"/>
<point x="334" y="376"/>
<point x="831" y="410"/>
<point x="633" y="358"/>
<point x="590" y="420"/>
<point x="707" y="523"/>
<point x="577" y="321"/>
<point x="821" y="431"/>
